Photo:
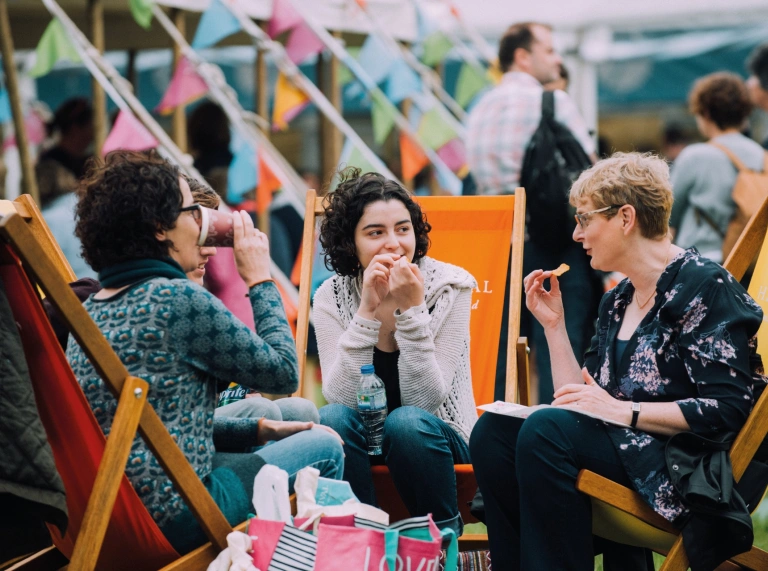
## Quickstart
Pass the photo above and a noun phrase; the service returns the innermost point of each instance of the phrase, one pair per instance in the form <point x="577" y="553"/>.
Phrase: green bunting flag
<point x="142" y="12"/>
<point x="54" y="46"/>
<point x="436" y="47"/>
<point x="470" y="82"/>
<point x="383" y="121"/>
<point x="434" y="131"/>
<point x="344" y="75"/>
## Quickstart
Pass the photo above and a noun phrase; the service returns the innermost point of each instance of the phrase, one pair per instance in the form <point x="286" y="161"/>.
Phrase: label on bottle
<point x="375" y="401"/>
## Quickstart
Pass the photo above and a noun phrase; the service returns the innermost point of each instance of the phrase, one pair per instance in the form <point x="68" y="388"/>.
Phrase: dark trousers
<point x="526" y="471"/>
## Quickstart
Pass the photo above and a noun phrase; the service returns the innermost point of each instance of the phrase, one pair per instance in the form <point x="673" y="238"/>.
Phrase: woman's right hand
<point x="546" y="306"/>
<point x="375" y="284"/>
<point x="251" y="247"/>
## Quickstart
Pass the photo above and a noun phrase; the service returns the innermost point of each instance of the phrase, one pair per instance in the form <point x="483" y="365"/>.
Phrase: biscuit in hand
<point x="561" y="269"/>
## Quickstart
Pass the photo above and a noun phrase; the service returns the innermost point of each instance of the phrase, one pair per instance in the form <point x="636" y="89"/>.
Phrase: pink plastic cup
<point x="216" y="229"/>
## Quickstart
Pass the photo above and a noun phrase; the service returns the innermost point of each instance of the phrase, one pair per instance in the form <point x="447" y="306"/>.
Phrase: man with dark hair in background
<point x="758" y="79"/>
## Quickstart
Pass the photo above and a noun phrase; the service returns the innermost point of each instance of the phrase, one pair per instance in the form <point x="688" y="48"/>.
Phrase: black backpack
<point x="553" y="161"/>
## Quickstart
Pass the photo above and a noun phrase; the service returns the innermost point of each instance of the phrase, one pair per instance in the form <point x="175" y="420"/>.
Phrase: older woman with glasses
<point x="675" y="351"/>
<point x="139" y="228"/>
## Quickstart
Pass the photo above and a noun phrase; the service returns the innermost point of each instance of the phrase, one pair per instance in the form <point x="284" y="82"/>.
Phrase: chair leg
<point x="676" y="560"/>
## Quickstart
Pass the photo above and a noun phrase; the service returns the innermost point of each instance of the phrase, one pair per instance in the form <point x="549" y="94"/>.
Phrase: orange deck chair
<point x="109" y="528"/>
<point x="476" y="233"/>
<point x="620" y="514"/>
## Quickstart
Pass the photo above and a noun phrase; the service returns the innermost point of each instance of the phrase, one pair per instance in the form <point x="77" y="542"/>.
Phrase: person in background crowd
<point x="209" y="138"/>
<point x="139" y="227"/>
<point x="57" y="171"/>
<point x="675" y="139"/>
<point x="561" y="82"/>
<point x="758" y="79"/>
<point x="703" y="175"/>
<point x="499" y="129"/>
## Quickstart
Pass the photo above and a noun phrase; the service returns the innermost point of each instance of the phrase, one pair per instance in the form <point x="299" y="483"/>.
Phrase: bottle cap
<point x="366" y="369"/>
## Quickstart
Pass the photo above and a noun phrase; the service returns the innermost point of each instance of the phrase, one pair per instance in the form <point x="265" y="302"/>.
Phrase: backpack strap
<point x="740" y="166"/>
<point x="548" y="105"/>
<point x="765" y="162"/>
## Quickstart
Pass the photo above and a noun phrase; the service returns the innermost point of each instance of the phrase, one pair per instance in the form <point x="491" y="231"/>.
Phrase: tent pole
<point x="96" y="21"/>
<point x="29" y="183"/>
<point x="330" y="137"/>
<point x="262" y="85"/>
<point x="179" y="114"/>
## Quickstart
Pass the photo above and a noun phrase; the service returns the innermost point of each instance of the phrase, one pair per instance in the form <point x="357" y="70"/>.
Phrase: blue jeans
<point x="288" y="408"/>
<point x="419" y="449"/>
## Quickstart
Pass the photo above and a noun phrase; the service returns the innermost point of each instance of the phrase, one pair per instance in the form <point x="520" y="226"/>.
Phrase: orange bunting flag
<point x="289" y="102"/>
<point x="412" y="158"/>
<point x="268" y="185"/>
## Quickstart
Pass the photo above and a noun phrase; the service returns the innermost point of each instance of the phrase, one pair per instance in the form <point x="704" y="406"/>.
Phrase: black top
<point x="385" y="365"/>
<point x="74" y="164"/>
<point x="618" y="349"/>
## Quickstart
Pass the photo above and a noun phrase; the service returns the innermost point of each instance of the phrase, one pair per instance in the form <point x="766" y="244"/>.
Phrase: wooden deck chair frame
<point x="611" y="502"/>
<point x="517" y="383"/>
<point x="32" y="241"/>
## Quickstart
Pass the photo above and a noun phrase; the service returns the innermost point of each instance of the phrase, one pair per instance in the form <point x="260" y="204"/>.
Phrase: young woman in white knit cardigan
<point x="408" y="315"/>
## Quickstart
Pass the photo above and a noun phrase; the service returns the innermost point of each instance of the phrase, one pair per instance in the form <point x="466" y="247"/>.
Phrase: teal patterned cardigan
<point x="186" y="344"/>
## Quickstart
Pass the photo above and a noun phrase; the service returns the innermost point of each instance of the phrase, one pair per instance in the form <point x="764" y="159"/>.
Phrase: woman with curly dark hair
<point x="139" y="227"/>
<point x="407" y="314"/>
<point x="704" y="174"/>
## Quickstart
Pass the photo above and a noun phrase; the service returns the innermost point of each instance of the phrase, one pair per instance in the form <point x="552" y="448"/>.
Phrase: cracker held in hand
<point x="561" y="269"/>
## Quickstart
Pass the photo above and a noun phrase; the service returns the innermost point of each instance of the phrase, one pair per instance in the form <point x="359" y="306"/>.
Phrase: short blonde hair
<point x="640" y="180"/>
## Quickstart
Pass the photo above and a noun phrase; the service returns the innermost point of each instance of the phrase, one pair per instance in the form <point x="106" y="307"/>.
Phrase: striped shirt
<point x="501" y="125"/>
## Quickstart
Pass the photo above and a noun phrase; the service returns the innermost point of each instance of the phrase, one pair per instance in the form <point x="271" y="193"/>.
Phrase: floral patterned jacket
<point x="696" y="347"/>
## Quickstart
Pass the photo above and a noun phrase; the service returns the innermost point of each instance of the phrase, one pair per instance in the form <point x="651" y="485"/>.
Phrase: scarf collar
<point x="132" y="271"/>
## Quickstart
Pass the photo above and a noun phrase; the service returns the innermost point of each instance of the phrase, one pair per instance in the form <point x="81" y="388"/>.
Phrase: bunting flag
<point x="434" y="131"/>
<point x="216" y="23"/>
<point x="412" y="158"/>
<point x="35" y="129"/>
<point x="469" y="84"/>
<point x="383" y="120"/>
<point x="375" y="59"/>
<point x="243" y="174"/>
<point x="425" y="26"/>
<point x="303" y="43"/>
<point x="54" y="46"/>
<point x="5" y="107"/>
<point x="402" y="82"/>
<point x="185" y="87"/>
<point x="268" y="185"/>
<point x="141" y="10"/>
<point x="436" y="46"/>
<point x="454" y="155"/>
<point x="289" y="102"/>
<point x="351" y="156"/>
<point x="284" y="18"/>
<point x="345" y="76"/>
<point x="129" y="134"/>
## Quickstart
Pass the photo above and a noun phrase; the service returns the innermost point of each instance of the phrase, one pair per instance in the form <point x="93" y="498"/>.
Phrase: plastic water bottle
<point x="372" y="406"/>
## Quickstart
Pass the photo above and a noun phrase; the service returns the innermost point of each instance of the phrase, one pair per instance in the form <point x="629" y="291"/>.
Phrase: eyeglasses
<point x="196" y="210"/>
<point x="583" y="218"/>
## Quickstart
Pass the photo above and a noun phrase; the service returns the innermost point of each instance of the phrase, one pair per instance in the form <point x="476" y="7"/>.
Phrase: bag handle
<point x="452" y="553"/>
<point x="548" y="105"/>
<point x="740" y="166"/>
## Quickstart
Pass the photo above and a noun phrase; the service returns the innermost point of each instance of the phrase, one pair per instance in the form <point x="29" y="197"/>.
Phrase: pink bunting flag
<point x="453" y="154"/>
<point x="186" y="86"/>
<point x="284" y="17"/>
<point x="35" y="128"/>
<point x="128" y="134"/>
<point x="303" y="43"/>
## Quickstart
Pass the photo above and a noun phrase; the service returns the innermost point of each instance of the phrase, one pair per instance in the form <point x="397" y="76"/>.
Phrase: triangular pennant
<point x="425" y="26"/>
<point x="434" y="131"/>
<point x="469" y="84"/>
<point x="383" y="120"/>
<point x="303" y="43"/>
<point x="216" y="23"/>
<point x="141" y="10"/>
<point x="54" y="46"/>
<point x="268" y="185"/>
<point x="402" y="82"/>
<point x="289" y="102"/>
<point x="344" y="75"/>
<point x="129" y="134"/>
<point x="185" y="87"/>
<point x="453" y="154"/>
<point x="5" y="107"/>
<point x="375" y="59"/>
<point x="412" y="158"/>
<point x="243" y="174"/>
<point x="436" y="47"/>
<point x="284" y="17"/>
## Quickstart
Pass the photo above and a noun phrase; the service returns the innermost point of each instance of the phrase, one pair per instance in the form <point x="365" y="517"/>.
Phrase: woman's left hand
<point x="591" y="397"/>
<point x="278" y="429"/>
<point x="406" y="284"/>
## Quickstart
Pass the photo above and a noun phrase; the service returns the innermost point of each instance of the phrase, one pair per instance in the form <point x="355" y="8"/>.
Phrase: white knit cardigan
<point x="433" y="364"/>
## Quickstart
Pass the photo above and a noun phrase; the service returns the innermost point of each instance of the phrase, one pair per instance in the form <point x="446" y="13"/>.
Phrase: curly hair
<point x="203" y="194"/>
<point x="124" y="200"/>
<point x="722" y="98"/>
<point x="346" y="206"/>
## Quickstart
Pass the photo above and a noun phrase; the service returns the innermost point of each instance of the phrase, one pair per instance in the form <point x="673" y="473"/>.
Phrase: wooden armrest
<point x="750" y="437"/>
<point x="523" y="380"/>
<point x="621" y="498"/>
